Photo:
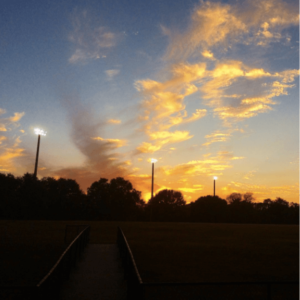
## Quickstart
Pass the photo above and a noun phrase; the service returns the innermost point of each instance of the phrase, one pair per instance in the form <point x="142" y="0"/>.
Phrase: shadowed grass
<point x="172" y="252"/>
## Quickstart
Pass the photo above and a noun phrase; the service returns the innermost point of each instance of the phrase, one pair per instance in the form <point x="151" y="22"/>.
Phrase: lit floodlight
<point x="215" y="177"/>
<point x="153" y="160"/>
<point x="39" y="131"/>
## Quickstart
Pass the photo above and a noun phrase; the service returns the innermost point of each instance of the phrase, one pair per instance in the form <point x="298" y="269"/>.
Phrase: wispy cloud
<point x="164" y="105"/>
<point x="217" y="136"/>
<point x="91" y="40"/>
<point x="209" y="165"/>
<point x="6" y="123"/>
<point x="257" y="86"/>
<point x="114" y="121"/>
<point x="113" y="143"/>
<point x="233" y="90"/>
<point x="162" y="138"/>
<point x="10" y="149"/>
<point x="216" y="24"/>
<point x="111" y="73"/>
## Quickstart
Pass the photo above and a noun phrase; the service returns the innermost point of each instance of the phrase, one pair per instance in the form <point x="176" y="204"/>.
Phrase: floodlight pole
<point x="152" y="180"/>
<point x="152" y="190"/>
<point x="214" y="187"/>
<point x="37" y="156"/>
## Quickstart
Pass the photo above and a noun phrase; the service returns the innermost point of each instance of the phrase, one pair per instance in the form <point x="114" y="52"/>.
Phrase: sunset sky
<point x="207" y="88"/>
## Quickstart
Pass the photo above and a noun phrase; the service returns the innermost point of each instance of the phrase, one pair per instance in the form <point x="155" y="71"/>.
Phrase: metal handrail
<point x="131" y="255"/>
<point x="50" y="284"/>
<point x="136" y="288"/>
<point x="63" y="255"/>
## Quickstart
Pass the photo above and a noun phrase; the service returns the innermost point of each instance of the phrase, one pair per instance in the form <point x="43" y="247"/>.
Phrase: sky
<point x="208" y="88"/>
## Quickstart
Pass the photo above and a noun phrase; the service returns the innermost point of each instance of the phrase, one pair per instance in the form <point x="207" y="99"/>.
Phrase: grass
<point x="164" y="252"/>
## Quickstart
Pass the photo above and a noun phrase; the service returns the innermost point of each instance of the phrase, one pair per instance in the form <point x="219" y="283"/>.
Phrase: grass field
<point x="172" y="252"/>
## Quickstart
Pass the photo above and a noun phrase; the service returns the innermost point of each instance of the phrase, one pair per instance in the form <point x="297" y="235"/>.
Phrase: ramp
<point x="98" y="276"/>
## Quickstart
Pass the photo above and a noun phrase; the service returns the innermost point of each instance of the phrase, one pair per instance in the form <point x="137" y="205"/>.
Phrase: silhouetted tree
<point x="118" y="197"/>
<point x="9" y="202"/>
<point x="98" y="199"/>
<point x="241" y="208"/>
<point x="278" y="211"/>
<point x="166" y="205"/>
<point x="209" y="209"/>
<point x="27" y="197"/>
<point x="63" y="198"/>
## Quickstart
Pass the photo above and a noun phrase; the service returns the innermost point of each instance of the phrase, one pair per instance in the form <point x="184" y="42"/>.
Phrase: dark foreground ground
<point x="164" y="252"/>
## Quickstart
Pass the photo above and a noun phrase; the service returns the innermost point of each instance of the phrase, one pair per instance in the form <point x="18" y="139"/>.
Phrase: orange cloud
<point x="115" y="143"/>
<point x="208" y="166"/>
<point x="7" y="157"/>
<point x="220" y="25"/>
<point x="216" y="136"/>
<point x="114" y="121"/>
<point x="162" y="138"/>
<point x="214" y="24"/>
<point x="163" y="105"/>
<point x="147" y="176"/>
<point x="208" y="54"/>
<point x="259" y="85"/>
<point x="17" y="116"/>
<point x="190" y="190"/>
<point x="5" y="123"/>
<point x="148" y="148"/>
<point x="2" y="138"/>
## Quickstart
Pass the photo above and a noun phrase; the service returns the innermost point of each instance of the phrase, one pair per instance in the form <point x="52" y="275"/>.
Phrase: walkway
<point x="98" y="275"/>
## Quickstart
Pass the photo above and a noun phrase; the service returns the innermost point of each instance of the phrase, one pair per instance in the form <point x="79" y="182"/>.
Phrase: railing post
<point x="269" y="291"/>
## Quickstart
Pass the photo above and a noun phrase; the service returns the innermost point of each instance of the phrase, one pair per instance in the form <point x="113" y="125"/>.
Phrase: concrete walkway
<point x="98" y="275"/>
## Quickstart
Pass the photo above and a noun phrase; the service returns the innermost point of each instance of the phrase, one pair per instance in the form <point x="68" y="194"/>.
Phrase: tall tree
<point x="209" y="209"/>
<point x="166" y="205"/>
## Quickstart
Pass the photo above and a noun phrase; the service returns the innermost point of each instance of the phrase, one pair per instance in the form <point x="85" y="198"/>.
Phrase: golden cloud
<point x="211" y="23"/>
<point x="216" y="136"/>
<point x="115" y="143"/>
<point x="5" y="123"/>
<point x="148" y="148"/>
<point x="16" y="117"/>
<point x="214" y="24"/>
<point x="147" y="176"/>
<point x="207" y="166"/>
<point x="2" y="138"/>
<point x="242" y="112"/>
<point x="7" y="156"/>
<point x="162" y="138"/>
<point x="208" y="54"/>
<point x="190" y="190"/>
<point x="164" y="107"/>
<point x="233" y="74"/>
<point x="114" y="121"/>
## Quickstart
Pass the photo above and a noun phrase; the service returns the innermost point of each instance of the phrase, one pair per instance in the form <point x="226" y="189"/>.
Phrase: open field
<point x="186" y="252"/>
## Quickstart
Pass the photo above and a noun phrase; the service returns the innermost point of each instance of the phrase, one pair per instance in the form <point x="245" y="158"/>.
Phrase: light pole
<point x="215" y="178"/>
<point x="39" y="132"/>
<point x="153" y="160"/>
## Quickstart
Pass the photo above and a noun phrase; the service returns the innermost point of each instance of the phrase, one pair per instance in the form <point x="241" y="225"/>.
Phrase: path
<point x="98" y="275"/>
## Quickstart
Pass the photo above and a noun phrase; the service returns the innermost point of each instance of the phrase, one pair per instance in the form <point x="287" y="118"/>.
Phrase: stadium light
<point x="153" y="161"/>
<point x="39" y="132"/>
<point x="215" y="178"/>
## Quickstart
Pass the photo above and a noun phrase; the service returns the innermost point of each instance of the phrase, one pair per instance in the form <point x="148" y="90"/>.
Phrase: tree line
<point x="28" y="198"/>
